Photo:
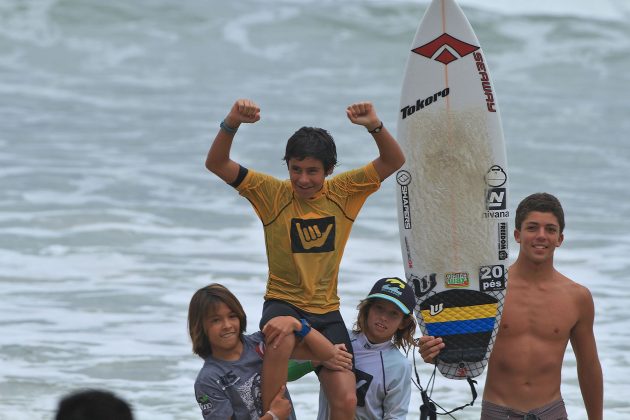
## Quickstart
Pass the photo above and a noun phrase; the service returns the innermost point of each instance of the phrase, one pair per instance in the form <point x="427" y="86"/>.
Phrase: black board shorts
<point x="330" y="325"/>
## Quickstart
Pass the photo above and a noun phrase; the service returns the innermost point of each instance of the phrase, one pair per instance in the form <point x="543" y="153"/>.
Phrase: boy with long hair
<point x="385" y="325"/>
<point x="228" y="384"/>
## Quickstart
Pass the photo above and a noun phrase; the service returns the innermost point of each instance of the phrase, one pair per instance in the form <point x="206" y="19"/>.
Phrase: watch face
<point x="377" y="129"/>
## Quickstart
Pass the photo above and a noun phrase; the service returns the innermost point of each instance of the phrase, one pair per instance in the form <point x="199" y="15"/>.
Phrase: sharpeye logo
<point x="445" y="49"/>
<point x="404" y="179"/>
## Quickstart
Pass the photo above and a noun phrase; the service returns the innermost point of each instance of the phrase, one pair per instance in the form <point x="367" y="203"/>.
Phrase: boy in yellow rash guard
<point x="307" y="220"/>
<point x="305" y="238"/>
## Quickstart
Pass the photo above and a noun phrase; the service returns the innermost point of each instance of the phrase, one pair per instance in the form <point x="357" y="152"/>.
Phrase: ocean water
<point x="109" y="222"/>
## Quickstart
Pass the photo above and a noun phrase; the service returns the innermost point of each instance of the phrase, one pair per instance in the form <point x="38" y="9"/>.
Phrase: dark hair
<point x="542" y="202"/>
<point x="202" y="305"/>
<point x="403" y="338"/>
<point x="93" y="404"/>
<point x="312" y="142"/>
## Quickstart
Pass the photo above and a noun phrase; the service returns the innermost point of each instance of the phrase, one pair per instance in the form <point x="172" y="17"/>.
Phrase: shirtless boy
<point x="543" y="311"/>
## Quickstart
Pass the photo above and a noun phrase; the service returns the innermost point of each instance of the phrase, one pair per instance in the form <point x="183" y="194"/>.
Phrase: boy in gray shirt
<point x="228" y="384"/>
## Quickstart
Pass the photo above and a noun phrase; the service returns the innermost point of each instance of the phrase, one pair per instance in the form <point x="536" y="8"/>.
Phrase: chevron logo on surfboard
<point x="443" y="41"/>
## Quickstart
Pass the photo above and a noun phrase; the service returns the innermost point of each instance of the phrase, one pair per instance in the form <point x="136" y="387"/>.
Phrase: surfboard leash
<point x="428" y="409"/>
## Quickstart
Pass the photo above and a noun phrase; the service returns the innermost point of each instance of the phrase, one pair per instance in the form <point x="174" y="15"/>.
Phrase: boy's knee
<point x="345" y="401"/>
<point x="283" y="350"/>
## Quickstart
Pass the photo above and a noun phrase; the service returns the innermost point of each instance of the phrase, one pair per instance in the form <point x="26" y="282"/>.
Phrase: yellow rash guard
<point x="305" y="238"/>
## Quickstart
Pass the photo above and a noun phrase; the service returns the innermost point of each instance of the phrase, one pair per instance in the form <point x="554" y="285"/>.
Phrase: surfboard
<point x="452" y="191"/>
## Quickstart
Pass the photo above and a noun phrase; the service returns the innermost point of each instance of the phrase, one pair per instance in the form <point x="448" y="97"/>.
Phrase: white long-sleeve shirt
<point x="383" y="381"/>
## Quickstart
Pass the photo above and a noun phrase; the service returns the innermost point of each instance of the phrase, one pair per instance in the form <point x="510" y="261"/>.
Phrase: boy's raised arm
<point x="218" y="160"/>
<point x="391" y="157"/>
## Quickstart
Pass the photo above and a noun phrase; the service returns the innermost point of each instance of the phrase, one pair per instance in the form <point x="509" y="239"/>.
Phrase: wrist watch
<point x="377" y="129"/>
<point x="306" y="328"/>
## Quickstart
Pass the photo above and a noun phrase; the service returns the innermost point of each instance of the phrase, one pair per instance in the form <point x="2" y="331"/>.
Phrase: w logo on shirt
<point x="364" y="380"/>
<point x="313" y="235"/>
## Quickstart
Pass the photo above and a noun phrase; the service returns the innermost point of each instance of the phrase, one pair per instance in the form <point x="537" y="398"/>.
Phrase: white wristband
<point x="273" y="415"/>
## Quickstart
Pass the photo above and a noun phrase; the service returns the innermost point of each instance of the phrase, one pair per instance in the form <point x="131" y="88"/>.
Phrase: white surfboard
<point x="452" y="190"/>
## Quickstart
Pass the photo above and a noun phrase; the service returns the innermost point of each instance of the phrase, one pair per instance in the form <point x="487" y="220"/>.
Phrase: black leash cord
<point x="428" y="409"/>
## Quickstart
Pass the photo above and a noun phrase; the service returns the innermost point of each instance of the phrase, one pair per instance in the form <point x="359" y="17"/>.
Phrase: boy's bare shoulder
<point x="574" y="289"/>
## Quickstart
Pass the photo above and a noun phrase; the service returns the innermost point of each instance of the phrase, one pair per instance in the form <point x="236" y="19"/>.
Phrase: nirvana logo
<point x="496" y="195"/>
<point x="313" y="235"/>
<point x="496" y="199"/>
<point x="496" y="203"/>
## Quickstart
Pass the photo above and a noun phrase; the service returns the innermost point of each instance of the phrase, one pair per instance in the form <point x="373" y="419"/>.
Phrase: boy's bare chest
<point x="541" y="314"/>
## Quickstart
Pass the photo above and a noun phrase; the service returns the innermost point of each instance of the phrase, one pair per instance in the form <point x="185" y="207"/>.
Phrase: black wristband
<point x="227" y="128"/>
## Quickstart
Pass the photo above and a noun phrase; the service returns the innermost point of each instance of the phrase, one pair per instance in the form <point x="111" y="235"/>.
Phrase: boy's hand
<point x="363" y="113"/>
<point x="429" y="347"/>
<point x="243" y="111"/>
<point x="279" y="327"/>
<point x="341" y="359"/>
<point x="280" y="406"/>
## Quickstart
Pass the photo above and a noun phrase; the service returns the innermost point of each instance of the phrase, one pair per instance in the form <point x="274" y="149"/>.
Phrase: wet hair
<point x="93" y="404"/>
<point x="312" y="142"/>
<point x="203" y="305"/>
<point x="402" y="338"/>
<point x="542" y="202"/>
